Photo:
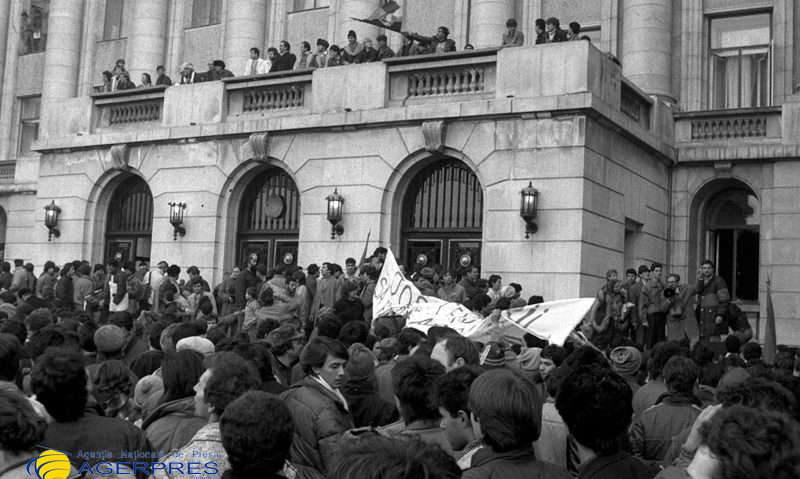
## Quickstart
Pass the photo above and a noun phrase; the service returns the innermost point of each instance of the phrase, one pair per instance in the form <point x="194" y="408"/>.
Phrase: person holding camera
<point x="714" y="300"/>
<point x="679" y="307"/>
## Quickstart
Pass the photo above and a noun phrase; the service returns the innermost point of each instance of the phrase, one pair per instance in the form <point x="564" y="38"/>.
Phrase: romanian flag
<point x="383" y="17"/>
<point x="770" y="341"/>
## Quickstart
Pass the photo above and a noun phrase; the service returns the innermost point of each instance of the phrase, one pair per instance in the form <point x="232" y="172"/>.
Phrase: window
<point x="29" y="124"/>
<point x="300" y="5"/>
<point x="112" y="28"/>
<point x="206" y="12"/>
<point x="33" y="26"/>
<point x="733" y="241"/>
<point x="741" y="61"/>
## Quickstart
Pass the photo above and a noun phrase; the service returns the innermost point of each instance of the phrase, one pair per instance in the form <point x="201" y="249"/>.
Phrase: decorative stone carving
<point x="723" y="168"/>
<point x="433" y="133"/>
<point x="120" y="154"/>
<point x="256" y="147"/>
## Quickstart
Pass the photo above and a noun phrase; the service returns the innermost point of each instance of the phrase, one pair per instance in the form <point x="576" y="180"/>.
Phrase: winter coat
<point x="320" y="419"/>
<point x="616" y="466"/>
<point x="714" y="299"/>
<point x="46" y="286"/>
<point x="366" y="407"/>
<point x="651" y="434"/>
<point x="172" y="425"/>
<point x="206" y="445"/>
<point x="427" y="431"/>
<point x="519" y="464"/>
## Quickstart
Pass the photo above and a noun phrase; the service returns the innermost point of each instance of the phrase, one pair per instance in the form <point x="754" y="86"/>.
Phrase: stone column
<point x="244" y="29"/>
<point x="63" y="50"/>
<point x="148" y="39"/>
<point x="647" y="46"/>
<point x="356" y="9"/>
<point x="5" y="10"/>
<point x="487" y="21"/>
<point x="9" y="75"/>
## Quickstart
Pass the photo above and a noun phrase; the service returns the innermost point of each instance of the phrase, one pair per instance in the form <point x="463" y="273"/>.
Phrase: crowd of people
<point x="284" y="372"/>
<point x="325" y="55"/>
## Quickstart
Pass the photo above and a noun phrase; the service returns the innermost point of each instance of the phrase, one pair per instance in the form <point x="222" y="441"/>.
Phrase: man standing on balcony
<point x="255" y="65"/>
<point x="187" y="74"/>
<point x="162" y="79"/>
<point x="286" y="59"/>
<point x="438" y="43"/>
<point x="353" y="52"/>
<point x="305" y="56"/>
<point x="383" y="49"/>
<point x="512" y="37"/>
<point x="219" y="71"/>
<point x="319" y="58"/>
<point x="554" y="32"/>
<point x="272" y="59"/>
<point x="541" y="34"/>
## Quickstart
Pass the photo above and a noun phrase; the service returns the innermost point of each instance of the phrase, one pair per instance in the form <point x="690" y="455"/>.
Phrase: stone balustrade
<point x="129" y="108"/>
<point x="729" y="125"/>
<point x="276" y="92"/>
<point x="431" y="78"/>
<point x="543" y="79"/>
<point x="7" y="171"/>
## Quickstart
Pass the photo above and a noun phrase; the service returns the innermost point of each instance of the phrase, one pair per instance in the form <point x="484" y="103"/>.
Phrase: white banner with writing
<point x="553" y="321"/>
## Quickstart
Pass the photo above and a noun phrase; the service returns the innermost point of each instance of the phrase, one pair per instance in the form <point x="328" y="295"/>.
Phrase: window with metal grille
<point x="271" y="203"/>
<point x="444" y="196"/>
<point x="131" y="209"/>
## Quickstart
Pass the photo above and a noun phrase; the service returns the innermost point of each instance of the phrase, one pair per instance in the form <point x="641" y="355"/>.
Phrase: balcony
<point x="743" y="125"/>
<point x="557" y="79"/>
<point x="136" y="108"/>
<point x="7" y="171"/>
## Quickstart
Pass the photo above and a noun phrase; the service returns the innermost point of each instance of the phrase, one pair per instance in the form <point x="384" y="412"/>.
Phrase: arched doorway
<point x="732" y="219"/>
<point x="442" y="217"/>
<point x="269" y="219"/>
<point x="129" y="223"/>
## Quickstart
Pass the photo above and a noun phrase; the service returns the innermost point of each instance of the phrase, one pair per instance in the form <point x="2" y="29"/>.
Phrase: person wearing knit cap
<point x="529" y="360"/>
<point x="626" y="360"/>
<point x="353" y="52"/>
<point x="360" y="390"/>
<point x="493" y="356"/>
<point x="385" y="350"/>
<point x="196" y="343"/>
<point x="109" y="340"/>
<point x="286" y="344"/>
<point x="147" y="394"/>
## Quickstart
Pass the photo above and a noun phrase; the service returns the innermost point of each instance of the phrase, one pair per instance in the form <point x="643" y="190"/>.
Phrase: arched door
<point x="269" y="219"/>
<point x="129" y="224"/>
<point x="732" y="222"/>
<point x="442" y="218"/>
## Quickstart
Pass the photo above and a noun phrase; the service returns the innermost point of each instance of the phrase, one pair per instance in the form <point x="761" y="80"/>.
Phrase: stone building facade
<point x="685" y="148"/>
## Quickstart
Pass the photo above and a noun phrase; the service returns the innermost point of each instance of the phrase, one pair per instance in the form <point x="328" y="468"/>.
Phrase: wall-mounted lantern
<point x="527" y="210"/>
<point x="335" y="203"/>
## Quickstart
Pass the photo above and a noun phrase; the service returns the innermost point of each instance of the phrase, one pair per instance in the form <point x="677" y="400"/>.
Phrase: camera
<point x="669" y="293"/>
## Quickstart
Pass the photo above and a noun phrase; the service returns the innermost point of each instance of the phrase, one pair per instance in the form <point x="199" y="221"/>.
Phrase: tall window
<point x="741" y="61"/>
<point x="29" y="124"/>
<point x="309" y="4"/>
<point x="33" y="26"/>
<point x="206" y="12"/>
<point x="112" y="28"/>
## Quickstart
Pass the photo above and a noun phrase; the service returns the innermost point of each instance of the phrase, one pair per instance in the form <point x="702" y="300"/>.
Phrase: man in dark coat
<point x="366" y="407"/>
<point x="713" y="303"/>
<point x="285" y="60"/>
<point x="438" y="43"/>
